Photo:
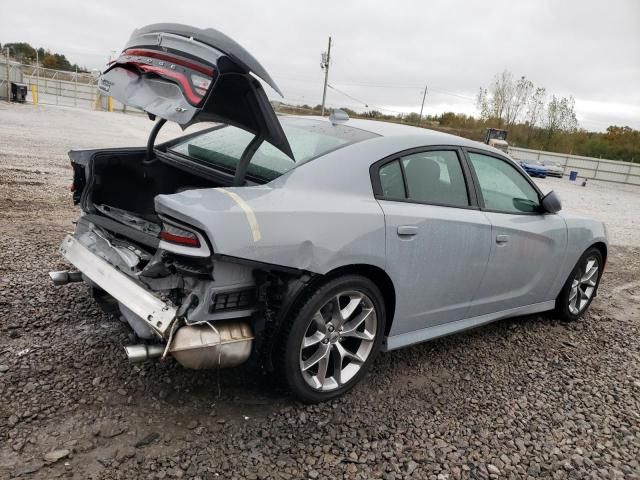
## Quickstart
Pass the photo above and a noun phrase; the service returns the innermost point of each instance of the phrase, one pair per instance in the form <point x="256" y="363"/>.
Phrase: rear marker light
<point x="172" y="234"/>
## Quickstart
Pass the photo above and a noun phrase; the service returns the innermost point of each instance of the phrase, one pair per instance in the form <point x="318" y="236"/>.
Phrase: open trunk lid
<point x="187" y="75"/>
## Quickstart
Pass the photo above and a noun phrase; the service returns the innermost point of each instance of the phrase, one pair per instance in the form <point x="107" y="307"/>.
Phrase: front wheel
<point x="581" y="286"/>
<point x="332" y="339"/>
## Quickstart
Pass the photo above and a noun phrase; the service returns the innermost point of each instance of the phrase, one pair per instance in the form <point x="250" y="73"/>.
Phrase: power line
<point x="362" y="102"/>
<point x="386" y="85"/>
<point x="347" y="95"/>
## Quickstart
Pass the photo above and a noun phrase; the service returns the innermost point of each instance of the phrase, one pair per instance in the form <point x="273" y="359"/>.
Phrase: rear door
<point x="527" y="246"/>
<point x="186" y="75"/>
<point x="437" y="240"/>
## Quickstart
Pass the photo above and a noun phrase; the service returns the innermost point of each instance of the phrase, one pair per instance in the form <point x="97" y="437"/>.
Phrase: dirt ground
<point x="530" y="397"/>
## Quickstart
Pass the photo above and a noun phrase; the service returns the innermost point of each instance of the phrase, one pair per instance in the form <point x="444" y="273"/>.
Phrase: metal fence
<point x="15" y="75"/>
<point x="58" y="87"/>
<point x="587" y="167"/>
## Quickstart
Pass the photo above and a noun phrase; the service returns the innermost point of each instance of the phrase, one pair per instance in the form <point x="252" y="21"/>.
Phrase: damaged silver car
<point x="304" y="245"/>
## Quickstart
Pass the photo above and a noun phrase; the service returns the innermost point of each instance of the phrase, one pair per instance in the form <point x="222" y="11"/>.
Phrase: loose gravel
<point x="616" y="204"/>
<point x="531" y="397"/>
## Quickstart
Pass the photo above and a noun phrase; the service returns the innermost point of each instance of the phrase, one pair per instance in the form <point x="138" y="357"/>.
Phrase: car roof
<point x="390" y="129"/>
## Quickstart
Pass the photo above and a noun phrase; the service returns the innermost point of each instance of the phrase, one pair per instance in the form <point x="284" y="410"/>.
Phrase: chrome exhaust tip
<point x="64" y="277"/>
<point x="141" y="352"/>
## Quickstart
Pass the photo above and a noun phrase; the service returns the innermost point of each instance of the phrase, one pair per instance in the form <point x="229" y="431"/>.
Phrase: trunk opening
<point x="127" y="181"/>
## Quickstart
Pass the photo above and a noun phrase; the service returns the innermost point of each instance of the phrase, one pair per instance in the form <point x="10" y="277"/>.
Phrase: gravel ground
<point x="523" y="398"/>
<point x="615" y="204"/>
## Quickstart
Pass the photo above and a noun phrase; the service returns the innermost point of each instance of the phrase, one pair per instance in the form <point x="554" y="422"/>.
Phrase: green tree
<point x="534" y="111"/>
<point x="560" y="117"/>
<point x="505" y="100"/>
<point x="21" y="51"/>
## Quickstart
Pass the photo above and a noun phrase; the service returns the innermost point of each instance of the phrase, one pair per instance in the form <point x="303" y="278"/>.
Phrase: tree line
<point x="533" y="118"/>
<point x="25" y="53"/>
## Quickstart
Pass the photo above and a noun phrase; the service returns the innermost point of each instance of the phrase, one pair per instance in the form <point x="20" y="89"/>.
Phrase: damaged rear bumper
<point x="198" y="346"/>
<point x="158" y="314"/>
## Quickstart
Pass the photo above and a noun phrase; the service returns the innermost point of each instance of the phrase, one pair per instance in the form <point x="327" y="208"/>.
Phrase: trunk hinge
<point x="152" y="138"/>
<point x="247" y="155"/>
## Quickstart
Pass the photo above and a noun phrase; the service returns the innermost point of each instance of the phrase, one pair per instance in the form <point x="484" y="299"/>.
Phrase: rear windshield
<point x="308" y="138"/>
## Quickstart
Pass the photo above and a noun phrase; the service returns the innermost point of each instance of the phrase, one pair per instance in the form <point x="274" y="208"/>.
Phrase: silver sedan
<point x="305" y="245"/>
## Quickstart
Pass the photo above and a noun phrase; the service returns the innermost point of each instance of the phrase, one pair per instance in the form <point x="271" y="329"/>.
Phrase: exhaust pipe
<point x="64" y="277"/>
<point x="227" y="344"/>
<point x="141" y="352"/>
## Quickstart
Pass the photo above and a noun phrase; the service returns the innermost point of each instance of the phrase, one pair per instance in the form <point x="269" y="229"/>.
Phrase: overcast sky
<point x="384" y="52"/>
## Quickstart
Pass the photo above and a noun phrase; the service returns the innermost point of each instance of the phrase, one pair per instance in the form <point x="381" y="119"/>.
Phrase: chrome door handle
<point x="502" y="238"/>
<point x="407" y="230"/>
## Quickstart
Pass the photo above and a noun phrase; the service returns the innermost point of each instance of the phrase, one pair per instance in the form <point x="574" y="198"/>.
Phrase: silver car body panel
<point x="523" y="265"/>
<point x="461" y="236"/>
<point x="394" y="342"/>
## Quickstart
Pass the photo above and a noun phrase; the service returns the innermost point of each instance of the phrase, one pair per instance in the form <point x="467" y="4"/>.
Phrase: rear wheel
<point x="332" y="339"/>
<point x="581" y="286"/>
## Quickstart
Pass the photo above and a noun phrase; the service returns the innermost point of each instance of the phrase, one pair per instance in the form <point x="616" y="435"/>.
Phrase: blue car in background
<point x="534" y="170"/>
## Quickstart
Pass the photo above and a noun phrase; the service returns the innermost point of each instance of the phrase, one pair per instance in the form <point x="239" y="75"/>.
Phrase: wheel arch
<point x="602" y="247"/>
<point x="305" y="285"/>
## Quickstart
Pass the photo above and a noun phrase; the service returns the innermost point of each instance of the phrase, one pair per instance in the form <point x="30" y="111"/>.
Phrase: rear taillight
<point x="179" y="236"/>
<point x="194" y="78"/>
<point x="193" y="95"/>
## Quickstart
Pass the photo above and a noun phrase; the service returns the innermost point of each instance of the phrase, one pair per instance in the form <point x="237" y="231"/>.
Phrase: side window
<point x="391" y="180"/>
<point x="435" y="177"/>
<point x="503" y="187"/>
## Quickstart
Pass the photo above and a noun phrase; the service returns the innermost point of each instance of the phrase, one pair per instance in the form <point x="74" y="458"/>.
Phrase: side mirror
<point x="551" y="202"/>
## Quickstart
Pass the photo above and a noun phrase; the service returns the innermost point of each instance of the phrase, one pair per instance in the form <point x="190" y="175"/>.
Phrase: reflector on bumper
<point x="143" y="303"/>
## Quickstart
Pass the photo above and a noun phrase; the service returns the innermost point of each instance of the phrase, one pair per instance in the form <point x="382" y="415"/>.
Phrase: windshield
<point x="309" y="139"/>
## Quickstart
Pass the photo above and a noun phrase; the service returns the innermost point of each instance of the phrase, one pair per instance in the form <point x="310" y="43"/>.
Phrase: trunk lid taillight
<point x="194" y="78"/>
<point x="179" y="236"/>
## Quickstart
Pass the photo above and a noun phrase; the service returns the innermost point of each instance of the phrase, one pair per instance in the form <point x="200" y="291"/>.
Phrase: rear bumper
<point x="158" y="314"/>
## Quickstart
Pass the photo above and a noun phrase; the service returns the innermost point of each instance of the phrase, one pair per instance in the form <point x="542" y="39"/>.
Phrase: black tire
<point x="563" y="302"/>
<point x="288" y="357"/>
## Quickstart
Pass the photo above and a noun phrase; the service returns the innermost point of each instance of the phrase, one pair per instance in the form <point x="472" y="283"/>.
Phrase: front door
<point x="527" y="245"/>
<point x="437" y="242"/>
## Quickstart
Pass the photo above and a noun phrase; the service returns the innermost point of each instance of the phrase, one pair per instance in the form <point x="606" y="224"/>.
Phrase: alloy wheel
<point x="338" y="340"/>
<point x="583" y="285"/>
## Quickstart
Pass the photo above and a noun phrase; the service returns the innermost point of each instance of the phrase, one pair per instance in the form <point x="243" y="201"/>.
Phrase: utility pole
<point x="422" y="107"/>
<point x="326" y="58"/>
<point x="37" y="69"/>
<point x="8" y="82"/>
